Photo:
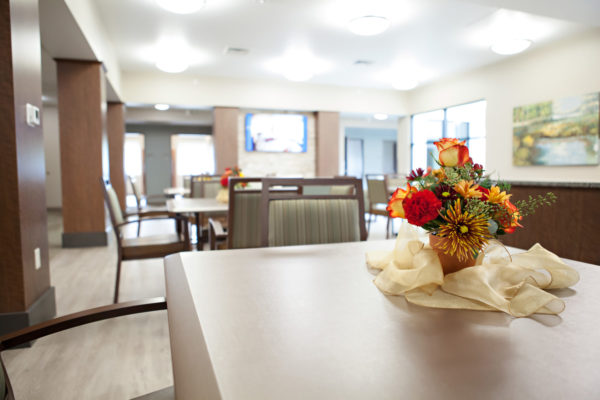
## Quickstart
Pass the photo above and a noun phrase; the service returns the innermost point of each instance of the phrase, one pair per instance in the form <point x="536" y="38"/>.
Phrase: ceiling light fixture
<point x="380" y="116"/>
<point x="298" y="65"/>
<point x="181" y="6"/>
<point x="162" y="107"/>
<point x="510" y="46"/>
<point x="368" y="25"/>
<point x="405" y="84"/>
<point x="172" y="65"/>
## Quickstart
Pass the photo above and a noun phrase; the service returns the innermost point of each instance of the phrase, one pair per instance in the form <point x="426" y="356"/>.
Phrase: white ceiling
<point x="427" y="40"/>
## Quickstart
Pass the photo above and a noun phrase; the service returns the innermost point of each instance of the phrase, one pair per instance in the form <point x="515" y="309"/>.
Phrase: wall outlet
<point x="33" y="115"/>
<point x="38" y="258"/>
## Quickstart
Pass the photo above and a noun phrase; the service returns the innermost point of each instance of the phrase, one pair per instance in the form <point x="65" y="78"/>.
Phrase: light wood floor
<point x="115" y="359"/>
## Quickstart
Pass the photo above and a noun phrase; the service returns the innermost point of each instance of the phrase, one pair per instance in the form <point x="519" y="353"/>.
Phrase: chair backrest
<point x="243" y="218"/>
<point x="301" y="218"/>
<point x="136" y="193"/>
<point x="396" y="180"/>
<point x="187" y="184"/>
<point x="112" y="203"/>
<point x="205" y="186"/>
<point x="377" y="189"/>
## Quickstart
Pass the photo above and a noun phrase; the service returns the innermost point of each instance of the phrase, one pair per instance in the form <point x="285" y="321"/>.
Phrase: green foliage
<point x="528" y="207"/>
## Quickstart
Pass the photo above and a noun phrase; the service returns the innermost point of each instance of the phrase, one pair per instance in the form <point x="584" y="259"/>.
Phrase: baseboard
<point x="43" y="309"/>
<point x="84" y="239"/>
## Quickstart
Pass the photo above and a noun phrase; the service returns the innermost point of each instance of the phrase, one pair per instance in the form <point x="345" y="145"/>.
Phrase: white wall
<point x="157" y="87"/>
<point x="258" y="163"/>
<point x="84" y="12"/>
<point x="52" y="156"/>
<point x="570" y="67"/>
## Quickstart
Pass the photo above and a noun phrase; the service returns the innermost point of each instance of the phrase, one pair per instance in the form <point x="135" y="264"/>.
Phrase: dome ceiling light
<point x="405" y="84"/>
<point x="368" y="25"/>
<point x="181" y="6"/>
<point x="162" y="107"/>
<point x="510" y="46"/>
<point x="380" y="116"/>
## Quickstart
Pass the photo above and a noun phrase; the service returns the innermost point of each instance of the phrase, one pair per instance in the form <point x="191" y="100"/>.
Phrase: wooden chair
<point x="34" y="332"/>
<point x="300" y="218"/>
<point x="378" y="195"/>
<point x="205" y="186"/>
<point x="138" y="248"/>
<point x="141" y="202"/>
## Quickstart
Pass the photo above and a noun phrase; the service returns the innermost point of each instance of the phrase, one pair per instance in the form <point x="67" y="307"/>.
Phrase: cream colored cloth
<point x="497" y="283"/>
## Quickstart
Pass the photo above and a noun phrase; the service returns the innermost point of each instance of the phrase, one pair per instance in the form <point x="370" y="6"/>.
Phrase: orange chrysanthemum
<point x="395" y="204"/>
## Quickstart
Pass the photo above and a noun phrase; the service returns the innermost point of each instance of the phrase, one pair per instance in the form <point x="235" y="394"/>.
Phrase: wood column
<point x="328" y="131"/>
<point x="83" y="151"/>
<point x="115" y="123"/>
<point x="26" y="296"/>
<point x="225" y="137"/>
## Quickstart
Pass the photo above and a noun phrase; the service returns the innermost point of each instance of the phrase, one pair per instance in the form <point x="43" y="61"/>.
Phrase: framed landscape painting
<point x="558" y="132"/>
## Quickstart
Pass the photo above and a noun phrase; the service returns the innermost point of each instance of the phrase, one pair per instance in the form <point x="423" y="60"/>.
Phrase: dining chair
<point x="244" y="221"/>
<point x="59" y="324"/>
<point x="207" y="187"/>
<point x="141" y="202"/>
<point x="154" y="246"/>
<point x="377" y="193"/>
<point x="300" y="218"/>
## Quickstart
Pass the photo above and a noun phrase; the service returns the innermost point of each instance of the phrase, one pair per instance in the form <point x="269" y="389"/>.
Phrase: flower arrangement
<point x="231" y="172"/>
<point x="458" y="203"/>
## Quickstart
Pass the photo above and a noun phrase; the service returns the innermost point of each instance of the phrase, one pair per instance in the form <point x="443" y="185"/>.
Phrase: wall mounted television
<point x="280" y="133"/>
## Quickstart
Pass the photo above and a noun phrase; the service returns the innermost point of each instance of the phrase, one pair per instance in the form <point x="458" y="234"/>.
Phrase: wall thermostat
<point x="33" y="115"/>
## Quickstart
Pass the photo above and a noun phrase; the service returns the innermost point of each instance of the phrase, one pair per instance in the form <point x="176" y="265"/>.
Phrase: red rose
<point x="421" y="207"/>
<point x="224" y="180"/>
<point x="484" y="192"/>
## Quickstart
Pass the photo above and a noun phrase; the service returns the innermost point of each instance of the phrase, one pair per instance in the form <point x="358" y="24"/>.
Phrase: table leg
<point x="199" y="243"/>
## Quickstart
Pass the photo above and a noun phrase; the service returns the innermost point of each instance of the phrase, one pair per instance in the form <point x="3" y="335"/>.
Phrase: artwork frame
<point x="562" y="132"/>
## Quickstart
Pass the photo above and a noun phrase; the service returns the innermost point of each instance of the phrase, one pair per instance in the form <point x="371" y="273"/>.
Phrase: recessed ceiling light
<point x="510" y="46"/>
<point x="380" y="116"/>
<point x="405" y="84"/>
<point x="368" y="25"/>
<point x="181" y="6"/>
<point x="298" y="65"/>
<point x="162" y="107"/>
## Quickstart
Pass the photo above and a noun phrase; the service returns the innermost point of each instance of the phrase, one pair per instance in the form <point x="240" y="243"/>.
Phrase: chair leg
<point x="139" y="228"/>
<point x="369" y="224"/>
<point x="387" y="228"/>
<point x="118" y="280"/>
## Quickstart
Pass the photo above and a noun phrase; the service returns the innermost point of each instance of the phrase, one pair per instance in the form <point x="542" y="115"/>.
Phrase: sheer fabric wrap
<point x="515" y="284"/>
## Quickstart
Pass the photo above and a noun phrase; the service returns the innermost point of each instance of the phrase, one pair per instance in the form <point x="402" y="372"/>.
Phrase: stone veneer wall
<point x="277" y="164"/>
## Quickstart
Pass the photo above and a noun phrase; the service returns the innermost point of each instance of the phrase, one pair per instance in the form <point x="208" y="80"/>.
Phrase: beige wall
<point x="156" y="87"/>
<point x="570" y="67"/>
<point x="277" y="164"/>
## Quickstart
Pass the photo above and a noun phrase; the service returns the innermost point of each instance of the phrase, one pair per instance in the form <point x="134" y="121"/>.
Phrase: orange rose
<point x="452" y="152"/>
<point x="395" y="204"/>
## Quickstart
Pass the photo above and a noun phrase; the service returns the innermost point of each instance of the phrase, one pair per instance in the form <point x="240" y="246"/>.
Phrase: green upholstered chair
<point x="244" y="218"/>
<point x="305" y="218"/>
<point x="378" y="199"/>
<point x="46" y="328"/>
<point x="154" y="246"/>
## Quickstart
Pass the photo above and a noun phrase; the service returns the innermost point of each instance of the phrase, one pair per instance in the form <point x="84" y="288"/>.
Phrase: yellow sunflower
<point x="465" y="233"/>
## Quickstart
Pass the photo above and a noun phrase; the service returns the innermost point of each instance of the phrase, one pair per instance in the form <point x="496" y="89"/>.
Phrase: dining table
<point x="307" y="322"/>
<point x="172" y="192"/>
<point x="199" y="207"/>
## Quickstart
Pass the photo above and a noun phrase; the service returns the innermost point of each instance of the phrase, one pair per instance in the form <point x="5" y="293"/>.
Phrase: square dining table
<point x="198" y="207"/>
<point x="307" y="322"/>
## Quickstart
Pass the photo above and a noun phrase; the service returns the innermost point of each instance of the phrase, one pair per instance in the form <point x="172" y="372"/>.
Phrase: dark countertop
<point x="584" y="185"/>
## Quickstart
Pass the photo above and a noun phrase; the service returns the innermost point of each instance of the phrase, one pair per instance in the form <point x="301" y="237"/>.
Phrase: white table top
<point x="307" y="322"/>
<point x="196" y="205"/>
<point x="176" y="191"/>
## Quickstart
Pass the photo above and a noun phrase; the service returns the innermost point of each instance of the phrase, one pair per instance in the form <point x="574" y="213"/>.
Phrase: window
<point x="193" y="155"/>
<point x="465" y="122"/>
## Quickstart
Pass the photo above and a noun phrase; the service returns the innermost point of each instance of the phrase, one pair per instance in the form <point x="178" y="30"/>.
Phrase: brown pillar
<point x="83" y="151"/>
<point x="328" y="130"/>
<point x="26" y="296"/>
<point x="115" y="123"/>
<point x="225" y="137"/>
